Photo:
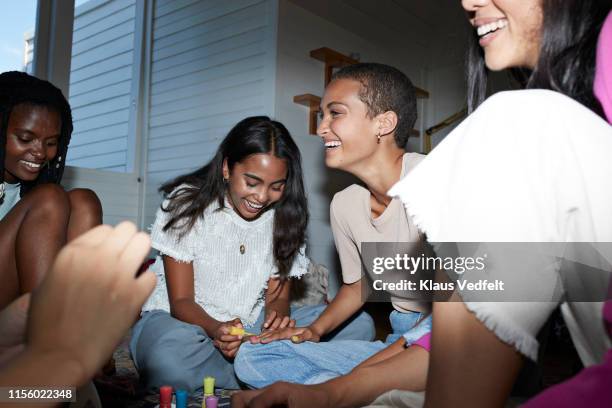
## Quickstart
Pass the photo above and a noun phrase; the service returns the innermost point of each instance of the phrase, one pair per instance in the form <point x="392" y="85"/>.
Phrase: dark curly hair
<point x="18" y="88"/>
<point x="384" y="88"/>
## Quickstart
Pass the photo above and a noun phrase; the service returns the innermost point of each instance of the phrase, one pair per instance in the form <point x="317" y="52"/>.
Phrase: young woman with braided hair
<point x="37" y="217"/>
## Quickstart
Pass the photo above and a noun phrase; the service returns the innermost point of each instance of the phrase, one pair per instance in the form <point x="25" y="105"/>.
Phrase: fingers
<point x="270" y="319"/>
<point x="241" y="399"/>
<point x="305" y="335"/>
<point x="228" y="349"/>
<point x="134" y="252"/>
<point x="119" y="237"/>
<point x="275" y="395"/>
<point x="143" y="288"/>
<point x="274" y="321"/>
<point x="229" y="338"/>
<point x="281" y="334"/>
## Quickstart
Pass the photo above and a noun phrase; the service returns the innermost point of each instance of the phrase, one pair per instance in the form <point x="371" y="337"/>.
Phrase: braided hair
<point x="17" y="88"/>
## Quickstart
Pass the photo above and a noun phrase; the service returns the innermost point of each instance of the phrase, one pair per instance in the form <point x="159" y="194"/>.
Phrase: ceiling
<point x="433" y="24"/>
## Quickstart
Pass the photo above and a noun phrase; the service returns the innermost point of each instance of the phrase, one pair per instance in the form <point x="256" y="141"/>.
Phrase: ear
<point x="387" y="122"/>
<point x="226" y="172"/>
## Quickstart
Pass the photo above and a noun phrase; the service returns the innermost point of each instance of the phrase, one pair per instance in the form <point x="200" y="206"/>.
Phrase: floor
<point x="559" y="361"/>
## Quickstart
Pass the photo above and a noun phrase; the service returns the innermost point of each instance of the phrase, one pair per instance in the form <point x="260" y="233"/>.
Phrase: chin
<point x="26" y="177"/>
<point x="495" y="65"/>
<point x="332" y="163"/>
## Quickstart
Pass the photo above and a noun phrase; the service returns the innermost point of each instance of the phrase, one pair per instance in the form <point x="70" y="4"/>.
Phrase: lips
<point x="252" y="207"/>
<point x="488" y="29"/>
<point x="331" y="144"/>
<point x="33" y="167"/>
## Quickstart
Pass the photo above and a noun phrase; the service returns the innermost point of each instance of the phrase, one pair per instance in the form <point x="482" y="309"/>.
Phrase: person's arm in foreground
<point x="406" y="370"/>
<point x="469" y="365"/>
<point x="346" y="303"/>
<point x="83" y="308"/>
<point x="181" y="293"/>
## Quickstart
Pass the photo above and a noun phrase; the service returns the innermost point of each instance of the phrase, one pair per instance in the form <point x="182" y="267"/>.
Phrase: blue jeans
<point x="168" y="351"/>
<point x="259" y="365"/>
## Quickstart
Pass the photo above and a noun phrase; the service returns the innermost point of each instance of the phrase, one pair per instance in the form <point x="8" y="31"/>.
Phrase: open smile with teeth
<point x="332" y="144"/>
<point x="486" y="29"/>
<point x="253" y="206"/>
<point x="30" y="164"/>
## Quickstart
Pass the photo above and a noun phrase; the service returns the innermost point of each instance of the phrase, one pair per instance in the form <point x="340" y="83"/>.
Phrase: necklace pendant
<point x="242" y="249"/>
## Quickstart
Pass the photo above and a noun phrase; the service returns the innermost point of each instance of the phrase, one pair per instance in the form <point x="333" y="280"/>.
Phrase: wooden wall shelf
<point x="421" y="93"/>
<point x="312" y="102"/>
<point x="332" y="59"/>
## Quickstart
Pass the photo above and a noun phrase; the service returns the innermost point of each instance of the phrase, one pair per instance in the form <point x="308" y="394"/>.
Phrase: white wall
<point x="213" y="64"/>
<point x="299" y="32"/>
<point x="116" y="191"/>
<point x="100" y="85"/>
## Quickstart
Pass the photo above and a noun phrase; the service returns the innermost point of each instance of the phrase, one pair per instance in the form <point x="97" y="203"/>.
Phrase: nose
<point x="323" y="127"/>
<point x="262" y="195"/>
<point x="473" y="5"/>
<point x="38" y="151"/>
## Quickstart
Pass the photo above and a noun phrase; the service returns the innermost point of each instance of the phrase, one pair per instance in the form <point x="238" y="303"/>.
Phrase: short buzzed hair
<point x="384" y="88"/>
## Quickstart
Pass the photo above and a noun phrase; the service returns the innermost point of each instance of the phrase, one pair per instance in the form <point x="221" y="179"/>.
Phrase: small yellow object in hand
<point x="239" y="331"/>
<point x="295" y="339"/>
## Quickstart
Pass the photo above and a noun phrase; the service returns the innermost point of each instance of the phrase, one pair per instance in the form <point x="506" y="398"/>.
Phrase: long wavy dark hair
<point x="566" y="63"/>
<point x="20" y="88"/>
<point x="189" y="195"/>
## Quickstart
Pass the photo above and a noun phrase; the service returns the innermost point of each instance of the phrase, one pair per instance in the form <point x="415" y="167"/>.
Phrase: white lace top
<point x="228" y="283"/>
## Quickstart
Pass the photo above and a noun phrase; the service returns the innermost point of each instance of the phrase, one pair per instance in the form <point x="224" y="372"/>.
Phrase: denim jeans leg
<point x="167" y="351"/>
<point x="259" y="365"/>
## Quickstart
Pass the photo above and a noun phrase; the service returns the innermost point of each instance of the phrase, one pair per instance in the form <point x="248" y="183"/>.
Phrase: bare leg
<point x="85" y="212"/>
<point x="31" y="235"/>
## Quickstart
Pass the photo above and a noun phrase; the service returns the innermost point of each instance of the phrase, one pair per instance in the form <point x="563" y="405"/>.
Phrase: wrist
<point x="213" y="329"/>
<point x="334" y="393"/>
<point x="316" y="329"/>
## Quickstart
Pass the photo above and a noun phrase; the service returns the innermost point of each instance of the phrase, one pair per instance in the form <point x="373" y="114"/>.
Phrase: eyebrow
<point x="333" y="103"/>
<point x="58" y="136"/>
<point x="259" y="179"/>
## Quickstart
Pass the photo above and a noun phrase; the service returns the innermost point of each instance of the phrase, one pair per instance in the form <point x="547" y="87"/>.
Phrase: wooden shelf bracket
<point x="312" y="102"/>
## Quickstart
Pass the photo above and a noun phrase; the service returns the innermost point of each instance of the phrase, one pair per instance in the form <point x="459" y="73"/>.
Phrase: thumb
<point x="300" y="337"/>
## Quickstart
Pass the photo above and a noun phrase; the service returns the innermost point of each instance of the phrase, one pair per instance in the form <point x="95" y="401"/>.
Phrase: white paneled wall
<point x="100" y="84"/>
<point x="213" y="64"/>
<point x="116" y="191"/>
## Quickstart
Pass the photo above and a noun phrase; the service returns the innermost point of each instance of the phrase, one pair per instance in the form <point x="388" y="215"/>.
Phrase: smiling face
<point x="32" y="138"/>
<point x="348" y="133"/>
<point x="509" y="31"/>
<point x="255" y="183"/>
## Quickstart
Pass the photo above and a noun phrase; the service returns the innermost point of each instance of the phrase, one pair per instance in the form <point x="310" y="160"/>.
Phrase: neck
<point x="381" y="172"/>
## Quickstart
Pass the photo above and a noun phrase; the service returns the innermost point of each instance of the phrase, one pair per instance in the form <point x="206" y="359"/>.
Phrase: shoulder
<point x="411" y="160"/>
<point x="348" y="198"/>
<point x="527" y="103"/>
